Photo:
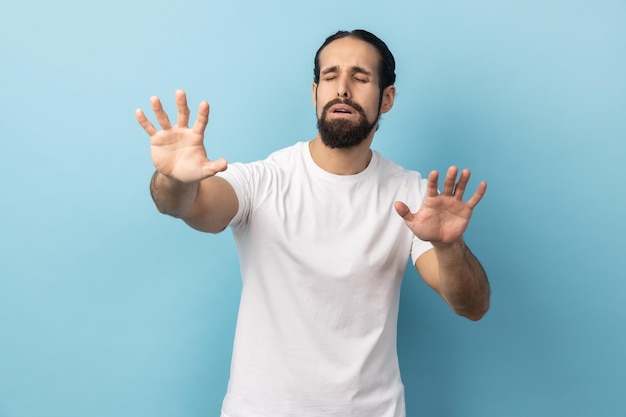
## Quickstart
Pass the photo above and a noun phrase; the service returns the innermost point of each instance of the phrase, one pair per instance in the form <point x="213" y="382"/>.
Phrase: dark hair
<point x="387" y="64"/>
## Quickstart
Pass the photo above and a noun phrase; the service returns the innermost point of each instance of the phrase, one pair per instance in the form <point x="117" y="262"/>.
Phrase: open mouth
<point x="342" y="109"/>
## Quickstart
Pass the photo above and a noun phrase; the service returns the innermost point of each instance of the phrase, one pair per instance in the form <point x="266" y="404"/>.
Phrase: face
<point x="347" y="99"/>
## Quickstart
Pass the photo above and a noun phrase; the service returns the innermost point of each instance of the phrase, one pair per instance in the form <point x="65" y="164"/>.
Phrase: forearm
<point x="464" y="283"/>
<point x="208" y="205"/>
<point x="171" y="196"/>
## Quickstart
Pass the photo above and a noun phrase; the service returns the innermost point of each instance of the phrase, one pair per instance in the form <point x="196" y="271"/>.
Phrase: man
<point x="324" y="231"/>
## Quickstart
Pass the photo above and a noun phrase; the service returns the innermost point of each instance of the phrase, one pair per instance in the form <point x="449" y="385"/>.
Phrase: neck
<point x="341" y="161"/>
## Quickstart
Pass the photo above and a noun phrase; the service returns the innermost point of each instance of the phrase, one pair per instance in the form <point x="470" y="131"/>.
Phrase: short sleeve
<point x="418" y="246"/>
<point x="238" y="176"/>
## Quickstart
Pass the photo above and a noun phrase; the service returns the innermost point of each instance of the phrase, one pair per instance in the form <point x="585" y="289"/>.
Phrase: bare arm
<point x="208" y="205"/>
<point x="184" y="184"/>
<point x="458" y="277"/>
<point x="450" y="268"/>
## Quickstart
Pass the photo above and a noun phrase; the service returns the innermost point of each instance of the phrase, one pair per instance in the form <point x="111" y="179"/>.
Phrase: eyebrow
<point x="354" y="69"/>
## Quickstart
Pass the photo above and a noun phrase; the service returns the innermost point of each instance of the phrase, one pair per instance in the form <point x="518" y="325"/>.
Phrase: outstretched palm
<point x="178" y="151"/>
<point x="443" y="218"/>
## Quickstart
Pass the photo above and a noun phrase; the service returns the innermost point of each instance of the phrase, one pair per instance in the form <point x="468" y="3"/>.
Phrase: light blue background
<point x="108" y="308"/>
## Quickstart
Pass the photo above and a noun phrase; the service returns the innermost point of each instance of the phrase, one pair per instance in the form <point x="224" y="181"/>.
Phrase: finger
<point x="448" y="183"/>
<point x="183" y="109"/>
<point x="203" y="118"/>
<point x="211" y="168"/>
<point x="459" y="189"/>
<point x="144" y="122"/>
<point x="433" y="184"/>
<point x="403" y="210"/>
<point x="161" y="116"/>
<point x="478" y="195"/>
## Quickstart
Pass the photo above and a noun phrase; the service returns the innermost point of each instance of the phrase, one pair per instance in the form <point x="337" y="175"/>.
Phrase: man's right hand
<point x="178" y="151"/>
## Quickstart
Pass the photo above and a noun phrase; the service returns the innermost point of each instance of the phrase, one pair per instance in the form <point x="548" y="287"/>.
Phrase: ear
<point x="314" y="92"/>
<point x="389" y="95"/>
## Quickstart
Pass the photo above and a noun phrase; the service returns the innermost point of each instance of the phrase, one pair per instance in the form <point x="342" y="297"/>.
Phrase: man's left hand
<point x="443" y="217"/>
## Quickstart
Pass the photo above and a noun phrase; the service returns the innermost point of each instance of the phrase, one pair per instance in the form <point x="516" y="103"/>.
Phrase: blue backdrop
<point x="108" y="308"/>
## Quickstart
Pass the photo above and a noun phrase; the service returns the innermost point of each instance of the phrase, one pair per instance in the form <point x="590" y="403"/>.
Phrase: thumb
<point x="403" y="210"/>
<point x="211" y="168"/>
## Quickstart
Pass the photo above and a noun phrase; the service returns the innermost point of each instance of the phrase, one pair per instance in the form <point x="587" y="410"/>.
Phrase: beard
<point x="343" y="133"/>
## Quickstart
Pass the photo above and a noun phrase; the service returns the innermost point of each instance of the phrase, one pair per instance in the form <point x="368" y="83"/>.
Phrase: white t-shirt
<point x="322" y="258"/>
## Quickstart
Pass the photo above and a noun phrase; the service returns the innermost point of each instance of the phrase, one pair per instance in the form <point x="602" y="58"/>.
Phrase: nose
<point x="343" y="88"/>
<point x="343" y="93"/>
